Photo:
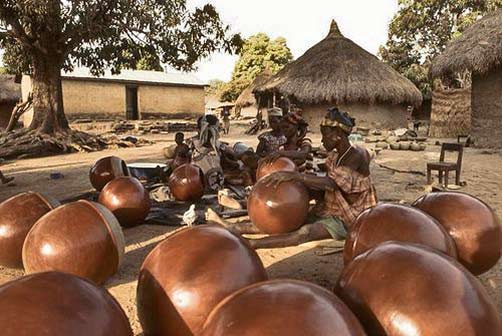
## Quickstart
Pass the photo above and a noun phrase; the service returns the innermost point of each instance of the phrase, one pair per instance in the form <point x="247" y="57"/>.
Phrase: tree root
<point x="27" y="143"/>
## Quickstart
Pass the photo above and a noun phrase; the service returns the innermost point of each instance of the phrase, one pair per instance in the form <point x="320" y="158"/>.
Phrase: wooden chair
<point x="445" y="167"/>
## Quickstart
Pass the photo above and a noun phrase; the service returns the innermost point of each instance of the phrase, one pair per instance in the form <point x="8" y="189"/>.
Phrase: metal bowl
<point x="147" y="171"/>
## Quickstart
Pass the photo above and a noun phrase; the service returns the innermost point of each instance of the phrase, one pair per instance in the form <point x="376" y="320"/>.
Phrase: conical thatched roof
<point x="10" y="91"/>
<point x="247" y="98"/>
<point x="478" y="49"/>
<point x="336" y="70"/>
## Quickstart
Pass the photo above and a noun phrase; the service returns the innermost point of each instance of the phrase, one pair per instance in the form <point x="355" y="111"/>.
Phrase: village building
<point x="246" y="104"/>
<point x="131" y="95"/>
<point x="217" y="107"/>
<point x="10" y="94"/>
<point x="477" y="51"/>
<point x="338" y="72"/>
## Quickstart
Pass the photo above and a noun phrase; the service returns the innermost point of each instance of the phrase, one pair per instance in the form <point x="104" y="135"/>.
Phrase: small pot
<point x="404" y="146"/>
<point x="415" y="147"/>
<point x="394" y="146"/>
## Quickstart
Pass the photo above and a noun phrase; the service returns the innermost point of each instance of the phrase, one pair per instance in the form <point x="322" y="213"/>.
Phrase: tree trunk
<point x="48" y="111"/>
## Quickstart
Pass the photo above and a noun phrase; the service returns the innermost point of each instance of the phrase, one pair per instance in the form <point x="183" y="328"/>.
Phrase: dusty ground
<point x="482" y="171"/>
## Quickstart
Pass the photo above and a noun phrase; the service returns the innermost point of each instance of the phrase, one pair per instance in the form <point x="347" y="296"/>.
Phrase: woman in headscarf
<point x="348" y="189"/>
<point x="297" y="146"/>
<point x="274" y="140"/>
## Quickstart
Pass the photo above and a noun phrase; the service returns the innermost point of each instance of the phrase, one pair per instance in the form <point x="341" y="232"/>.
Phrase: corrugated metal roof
<point x="139" y="76"/>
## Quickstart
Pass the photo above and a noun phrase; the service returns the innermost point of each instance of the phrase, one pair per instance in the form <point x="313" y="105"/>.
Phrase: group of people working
<point x="346" y="190"/>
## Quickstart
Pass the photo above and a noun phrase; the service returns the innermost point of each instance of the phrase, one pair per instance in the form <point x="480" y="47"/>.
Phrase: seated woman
<point x="272" y="141"/>
<point x="181" y="152"/>
<point x="297" y="146"/>
<point x="348" y="189"/>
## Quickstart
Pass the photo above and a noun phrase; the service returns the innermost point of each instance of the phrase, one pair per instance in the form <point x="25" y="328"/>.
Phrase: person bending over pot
<point x="348" y="189"/>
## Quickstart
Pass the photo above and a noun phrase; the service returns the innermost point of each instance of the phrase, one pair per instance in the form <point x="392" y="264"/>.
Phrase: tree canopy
<point x="421" y="30"/>
<point x="258" y="53"/>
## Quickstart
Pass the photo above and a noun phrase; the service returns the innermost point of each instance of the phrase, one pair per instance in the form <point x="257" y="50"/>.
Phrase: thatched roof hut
<point x="10" y="94"/>
<point x="246" y="104"/>
<point x="479" y="51"/>
<point x="337" y="71"/>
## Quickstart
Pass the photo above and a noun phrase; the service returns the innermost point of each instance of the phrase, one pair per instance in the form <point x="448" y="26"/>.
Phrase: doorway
<point x="132" y="103"/>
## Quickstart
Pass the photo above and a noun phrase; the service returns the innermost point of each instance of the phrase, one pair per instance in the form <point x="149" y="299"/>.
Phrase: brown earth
<point x="482" y="171"/>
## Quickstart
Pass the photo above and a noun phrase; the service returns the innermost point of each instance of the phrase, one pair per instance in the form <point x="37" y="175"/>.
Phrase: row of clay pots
<point x="414" y="146"/>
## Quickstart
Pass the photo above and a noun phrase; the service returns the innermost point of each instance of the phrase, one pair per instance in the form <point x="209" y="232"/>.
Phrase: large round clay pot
<point x="186" y="183"/>
<point x="17" y="216"/>
<point x="394" y="222"/>
<point x="127" y="199"/>
<point x="399" y="289"/>
<point x="472" y="224"/>
<point x="81" y="238"/>
<point x="55" y="303"/>
<point x="282" y="307"/>
<point x="105" y="170"/>
<point x="280" y="164"/>
<point x="278" y="210"/>
<point x="188" y="274"/>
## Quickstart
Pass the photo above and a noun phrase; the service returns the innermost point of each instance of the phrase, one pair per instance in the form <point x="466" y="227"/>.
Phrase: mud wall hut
<point x="451" y="113"/>
<point x="338" y="72"/>
<point x="10" y="94"/>
<point x="246" y="104"/>
<point x="479" y="51"/>
<point x="129" y="95"/>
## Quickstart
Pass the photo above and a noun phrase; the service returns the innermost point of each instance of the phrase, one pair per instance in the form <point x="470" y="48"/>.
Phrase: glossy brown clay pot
<point x="278" y="210"/>
<point x="393" y="222"/>
<point x="17" y="216"/>
<point x="105" y="170"/>
<point x="54" y="303"/>
<point x="281" y="164"/>
<point x="81" y="238"/>
<point x="188" y="274"/>
<point x="186" y="183"/>
<point x="399" y="289"/>
<point x="127" y="199"/>
<point x="282" y="308"/>
<point x="472" y="224"/>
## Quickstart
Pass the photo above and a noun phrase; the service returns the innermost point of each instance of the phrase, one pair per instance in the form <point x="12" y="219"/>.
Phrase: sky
<point x="302" y="23"/>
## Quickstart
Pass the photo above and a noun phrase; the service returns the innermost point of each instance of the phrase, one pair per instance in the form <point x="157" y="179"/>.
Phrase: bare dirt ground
<point x="482" y="171"/>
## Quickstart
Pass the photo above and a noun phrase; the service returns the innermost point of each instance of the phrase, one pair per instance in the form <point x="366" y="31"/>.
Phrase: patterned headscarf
<point x="337" y="118"/>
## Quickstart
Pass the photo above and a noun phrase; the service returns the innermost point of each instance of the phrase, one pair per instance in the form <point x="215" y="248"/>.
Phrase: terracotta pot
<point x="105" y="170"/>
<point x="415" y="147"/>
<point x="402" y="290"/>
<point x="81" y="238"/>
<point x="55" y="303"/>
<point x="281" y="164"/>
<point x="188" y="274"/>
<point x="17" y="216"/>
<point x="393" y="222"/>
<point x="295" y="308"/>
<point x="278" y="210"/>
<point x="127" y="199"/>
<point x="186" y="183"/>
<point x="404" y="145"/>
<point x="394" y="146"/>
<point x="472" y="224"/>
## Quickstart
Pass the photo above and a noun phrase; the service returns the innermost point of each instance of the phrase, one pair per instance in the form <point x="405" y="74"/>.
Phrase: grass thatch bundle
<point x="478" y="49"/>
<point x="338" y="71"/>
<point x="247" y="98"/>
<point x="10" y="91"/>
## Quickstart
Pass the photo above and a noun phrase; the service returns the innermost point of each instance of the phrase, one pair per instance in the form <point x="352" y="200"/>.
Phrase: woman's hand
<point x="275" y="179"/>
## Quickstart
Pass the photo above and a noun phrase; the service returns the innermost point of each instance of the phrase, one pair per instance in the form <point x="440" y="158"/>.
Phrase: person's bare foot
<point x="213" y="217"/>
<point x="225" y="200"/>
